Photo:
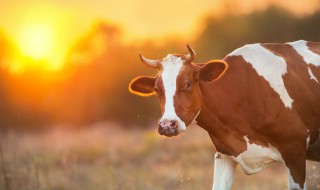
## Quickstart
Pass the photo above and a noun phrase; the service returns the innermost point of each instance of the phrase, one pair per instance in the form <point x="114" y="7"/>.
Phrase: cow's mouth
<point x="168" y="131"/>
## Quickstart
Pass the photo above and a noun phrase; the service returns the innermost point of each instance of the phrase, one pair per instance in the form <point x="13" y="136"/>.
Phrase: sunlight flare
<point x="36" y="41"/>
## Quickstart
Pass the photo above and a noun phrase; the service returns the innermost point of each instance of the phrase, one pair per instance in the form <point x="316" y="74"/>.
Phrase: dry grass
<point x="107" y="157"/>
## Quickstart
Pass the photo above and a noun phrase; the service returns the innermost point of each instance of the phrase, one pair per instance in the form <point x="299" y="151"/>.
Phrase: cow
<point x="260" y="105"/>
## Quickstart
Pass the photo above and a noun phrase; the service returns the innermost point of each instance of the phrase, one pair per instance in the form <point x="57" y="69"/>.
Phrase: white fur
<point x="312" y="77"/>
<point x="194" y="119"/>
<point x="308" y="139"/>
<point x="171" y="67"/>
<point x="224" y="169"/>
<point x="256" y="157"/>
<point x="293" y="185"/>
<point x="268" y="65"/>
<point x="308" y="56"/>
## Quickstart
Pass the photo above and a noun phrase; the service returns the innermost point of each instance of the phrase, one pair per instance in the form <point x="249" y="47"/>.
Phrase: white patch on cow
<point x="292" y="184"/>
<point x="256" y="157"/>
<point x="312" y="77"/>
<point x="268" y="65"/>
<point x="308" y="56"/>
<point x="224" y="169"/>
<point x="194" y="119"/>
<point x="171" y="67"/>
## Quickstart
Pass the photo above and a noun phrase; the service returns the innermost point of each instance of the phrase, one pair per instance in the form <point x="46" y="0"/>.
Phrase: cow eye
<point x="187" y="85"/>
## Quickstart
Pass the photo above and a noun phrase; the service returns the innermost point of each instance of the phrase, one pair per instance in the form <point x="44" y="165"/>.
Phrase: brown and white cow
<point x="260" y="104"/>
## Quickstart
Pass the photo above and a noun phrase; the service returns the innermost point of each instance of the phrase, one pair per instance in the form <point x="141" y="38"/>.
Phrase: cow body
<point x="264" y="109"/>
<point x="275" y="104"/>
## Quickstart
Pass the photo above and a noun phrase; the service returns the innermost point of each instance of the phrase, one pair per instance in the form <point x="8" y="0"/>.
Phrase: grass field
<point x="108" y="157"/>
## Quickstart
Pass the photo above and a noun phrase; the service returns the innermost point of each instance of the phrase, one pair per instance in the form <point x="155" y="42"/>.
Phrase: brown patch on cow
<point x="187" y="100"/>
<point x="314" y="47"/>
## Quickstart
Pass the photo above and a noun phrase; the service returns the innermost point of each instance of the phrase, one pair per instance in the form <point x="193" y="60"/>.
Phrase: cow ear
<point x="213" y="70"/>
<point x="142" y="86"/>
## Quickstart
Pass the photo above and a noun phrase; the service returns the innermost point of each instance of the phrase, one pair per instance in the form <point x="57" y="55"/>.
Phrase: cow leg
<point x="294" y="185"/>
<point x="224" y="168"/>
<point x="296" y="166"/>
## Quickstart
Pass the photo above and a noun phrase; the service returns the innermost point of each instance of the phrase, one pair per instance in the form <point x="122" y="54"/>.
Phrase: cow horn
<point x="149" y="62"/>
<point x="192" y="54"/>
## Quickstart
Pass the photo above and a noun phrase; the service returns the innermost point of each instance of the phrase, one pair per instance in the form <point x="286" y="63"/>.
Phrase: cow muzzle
<point x="168" y="127"/>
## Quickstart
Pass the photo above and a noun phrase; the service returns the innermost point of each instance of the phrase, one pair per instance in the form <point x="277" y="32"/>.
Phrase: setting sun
<point x="40" y="45"/>
<point x="36" y="41"/>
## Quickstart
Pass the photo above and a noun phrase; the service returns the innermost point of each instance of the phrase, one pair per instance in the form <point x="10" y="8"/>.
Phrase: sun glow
<point x="39" y="45"/>
<point x="36" y="41"/>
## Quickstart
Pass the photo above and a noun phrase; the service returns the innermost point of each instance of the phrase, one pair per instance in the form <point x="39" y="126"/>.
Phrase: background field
<point x="109" y="157"/>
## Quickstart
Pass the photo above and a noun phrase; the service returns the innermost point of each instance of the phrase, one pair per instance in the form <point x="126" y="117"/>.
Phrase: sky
<point x="39" y="27"/>
<point x="137" y="18"/>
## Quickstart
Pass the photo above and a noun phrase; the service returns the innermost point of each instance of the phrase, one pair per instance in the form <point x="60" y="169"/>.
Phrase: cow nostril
<point x="162" y="124"/>
<point x="173" y="123"/>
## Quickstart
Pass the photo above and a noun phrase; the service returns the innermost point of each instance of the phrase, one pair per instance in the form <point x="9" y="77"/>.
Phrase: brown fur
<point x="314" y="46"/>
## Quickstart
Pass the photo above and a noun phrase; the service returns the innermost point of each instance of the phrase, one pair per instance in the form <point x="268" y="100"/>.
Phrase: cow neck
<point x="223" y="138"/>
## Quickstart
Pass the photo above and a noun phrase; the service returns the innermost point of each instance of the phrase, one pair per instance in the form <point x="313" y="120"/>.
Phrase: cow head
<point x="177" y="87"/>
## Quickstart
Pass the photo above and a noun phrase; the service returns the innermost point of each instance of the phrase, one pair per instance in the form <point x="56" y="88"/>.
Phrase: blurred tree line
<point x="93" y="85"/>
<point x="223" y="35"/>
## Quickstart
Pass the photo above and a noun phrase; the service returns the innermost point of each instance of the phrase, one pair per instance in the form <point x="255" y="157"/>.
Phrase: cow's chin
<point x="169" y="134"/>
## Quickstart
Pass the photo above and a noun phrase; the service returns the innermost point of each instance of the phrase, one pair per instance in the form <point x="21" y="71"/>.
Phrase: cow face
<point x="177" y="87"/>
